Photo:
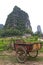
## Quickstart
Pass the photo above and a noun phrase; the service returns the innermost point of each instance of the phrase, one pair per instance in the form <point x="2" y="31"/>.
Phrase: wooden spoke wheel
<point x="21" y="54"/>
<point x="33" y="54"/>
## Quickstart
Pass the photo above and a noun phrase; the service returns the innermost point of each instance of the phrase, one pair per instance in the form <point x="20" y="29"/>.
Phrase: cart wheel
<point x="21" y="54"/>
<point x="33" y="54"/>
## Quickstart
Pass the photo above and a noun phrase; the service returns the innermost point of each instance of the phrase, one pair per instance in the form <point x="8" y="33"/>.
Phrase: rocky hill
<point x="1" y="26"/>
<point x="18" y="19"/>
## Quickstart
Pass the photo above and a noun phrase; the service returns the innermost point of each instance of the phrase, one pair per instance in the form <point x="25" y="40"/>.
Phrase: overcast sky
<point x="34" y="8"/>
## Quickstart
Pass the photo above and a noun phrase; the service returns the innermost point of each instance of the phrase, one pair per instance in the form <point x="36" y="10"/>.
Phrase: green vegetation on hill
<point x="18" y="19"/>
<point x="17" y="23"/>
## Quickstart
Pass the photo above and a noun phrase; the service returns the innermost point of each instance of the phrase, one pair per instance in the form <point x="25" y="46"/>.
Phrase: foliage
<point x="31" y="39"/>
<point x="10" y="32"/>
<point x="5" y="42"/>
<point x="28" y="31"/>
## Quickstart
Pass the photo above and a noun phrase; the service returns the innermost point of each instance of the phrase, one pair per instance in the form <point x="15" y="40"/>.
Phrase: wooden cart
<point x="22" y="49"/>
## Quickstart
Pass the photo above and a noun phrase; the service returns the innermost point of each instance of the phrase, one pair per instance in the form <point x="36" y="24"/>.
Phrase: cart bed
<point x="29" y="46"/>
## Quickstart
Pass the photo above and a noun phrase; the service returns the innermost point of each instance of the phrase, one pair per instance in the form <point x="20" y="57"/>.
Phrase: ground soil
<point x="7" y="62"/>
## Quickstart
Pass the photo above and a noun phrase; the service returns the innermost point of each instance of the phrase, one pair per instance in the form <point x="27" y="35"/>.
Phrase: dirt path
<point x="27" y="63"/>
<point x="14" y="53"/>
<point x="8" y="62"/>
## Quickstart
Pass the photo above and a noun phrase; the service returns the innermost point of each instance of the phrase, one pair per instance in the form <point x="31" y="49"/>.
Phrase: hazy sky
<point x="34" y="8"/>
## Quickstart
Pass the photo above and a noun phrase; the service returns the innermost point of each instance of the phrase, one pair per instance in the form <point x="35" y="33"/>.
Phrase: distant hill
<point x="1" y="26"/>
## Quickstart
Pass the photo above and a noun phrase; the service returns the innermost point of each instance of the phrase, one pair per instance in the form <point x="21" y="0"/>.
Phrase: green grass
<point x="4" y="42"/>
<point x="35" y="59"/>
<point x="41" y="50"/>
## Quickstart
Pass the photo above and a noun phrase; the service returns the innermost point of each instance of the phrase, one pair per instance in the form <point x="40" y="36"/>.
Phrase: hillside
<point x="17" y="24"/>
<point x="18" y="19"/>
<point x="1" y="26"/>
